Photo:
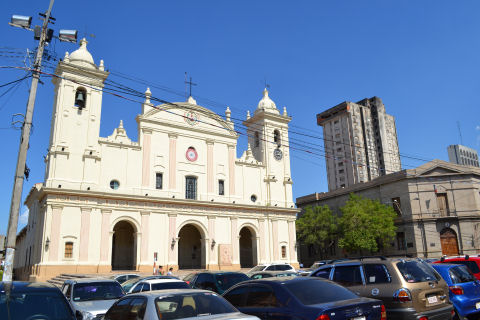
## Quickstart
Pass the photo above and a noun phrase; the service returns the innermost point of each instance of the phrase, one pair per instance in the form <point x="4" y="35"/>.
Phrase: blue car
<point x="302" y="298"/>
<point x="464" y="289"/>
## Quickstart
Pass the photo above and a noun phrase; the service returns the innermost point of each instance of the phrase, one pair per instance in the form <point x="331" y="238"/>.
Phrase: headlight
<point x="87" y="315"/>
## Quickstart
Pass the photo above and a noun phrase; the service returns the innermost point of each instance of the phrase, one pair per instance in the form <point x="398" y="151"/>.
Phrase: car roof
<point x="90" y="280"/>
<point x="219" y="272"/>
<point x="23" y="286"/>
<point x="169" y="292"/>
<point x="272" y="272"/>
<point x="152" y="281"/>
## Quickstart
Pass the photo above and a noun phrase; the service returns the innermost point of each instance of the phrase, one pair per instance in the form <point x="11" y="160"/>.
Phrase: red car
<point x="473" y="263"/>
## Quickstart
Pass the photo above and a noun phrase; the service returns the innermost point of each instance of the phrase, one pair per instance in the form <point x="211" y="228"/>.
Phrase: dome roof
<point x="266" y="104"/>
<point x="81" y="56"/>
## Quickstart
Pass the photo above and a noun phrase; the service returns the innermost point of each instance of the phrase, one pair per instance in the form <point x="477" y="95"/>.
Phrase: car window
<point x="282" y="267"/>
<point x="191" y="305"/>
<point x="270" y="268"/>
<point x="137" y="309"/>
<point x="146" y="287"/>
<point x="127" y="285"/>
<point x="138" y="287"/>
<point x="257" y="268"/>
<point x="323" y="273"/>
<point x="170" y="285"/>
<point x="472" y="265"/>
<point x="260" y="296"/>
<point x="205" y="281"/>
<point x="316" y="291"/>
<point x="376" y="273"/>
<point x="189" y="277"/>
<point x="257" y="276"/>
<point x="107" y="290"/>
<point x="67" y="290"/>
<point x="35" y="305"/>
<point x="228" y="280"/>
<point x="119" y="310"/>
<point x="121" y="279"/>
<point x="416" y="271"/>
<point x="461" y="274"/>
<point x="347" y="275"/>
<point x="238" y="296"/>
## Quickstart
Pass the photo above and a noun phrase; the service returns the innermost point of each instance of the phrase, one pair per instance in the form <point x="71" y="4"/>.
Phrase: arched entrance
<point x="248" y="248"/>
<point x="449" y="242"/>
<point x="123" y="247"/>
<point x="191" y="252"/>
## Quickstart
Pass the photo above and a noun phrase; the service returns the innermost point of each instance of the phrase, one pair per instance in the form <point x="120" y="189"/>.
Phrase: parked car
<point x="33" y="300"/>
<point x="302" y="298"/>
<point x="214" y="281"/>
<point x="409" y="288"/>
<point x="464" y="289"/>
<point x="272" y="267"/>
<point x="129" y="284"/>
<point x="270" y="274"/>
<point x="122" y="277"/>
<point x="174" y="304"/>
<point x="91" y="298"/>
<point x="158" y="284"/>
<point x="473" y="263"/>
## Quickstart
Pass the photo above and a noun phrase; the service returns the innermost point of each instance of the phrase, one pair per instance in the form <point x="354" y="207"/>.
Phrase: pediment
<point x="439" y="171"/>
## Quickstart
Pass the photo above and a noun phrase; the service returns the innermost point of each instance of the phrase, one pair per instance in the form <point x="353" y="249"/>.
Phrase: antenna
<point x="459" y="132"/>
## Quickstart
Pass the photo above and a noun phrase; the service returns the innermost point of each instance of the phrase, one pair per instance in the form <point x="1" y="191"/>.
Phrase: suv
<point x="473" y="263"/>
<point x="91" y="298"/>
<point x="272" y="267"/>
<point x="215" y="281"/>
<point x="409" y="288"/>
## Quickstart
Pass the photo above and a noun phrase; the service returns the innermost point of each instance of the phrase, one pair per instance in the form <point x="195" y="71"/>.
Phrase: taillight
<point x="456" y="290"/>
<point x="402" y="295"/>
<point x="384" y="313"/>
<point x="323" y="317"/>
<point x="423" y="318"/>
<point x="452" y="313"/>
<point x="188" y="282"/>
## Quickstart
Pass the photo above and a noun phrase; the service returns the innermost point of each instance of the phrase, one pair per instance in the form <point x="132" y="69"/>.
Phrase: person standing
<point x="160" y="270"/>
<point x="170" y="272"/>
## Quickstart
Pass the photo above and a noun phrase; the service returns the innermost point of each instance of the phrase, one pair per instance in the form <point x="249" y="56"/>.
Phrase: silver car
<point x="91" y="298"/>
<point x="174" y="304"/>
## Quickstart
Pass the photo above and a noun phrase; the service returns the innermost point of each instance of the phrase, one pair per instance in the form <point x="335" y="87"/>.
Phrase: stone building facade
<point x="438" y="207"/>
<point x="360" y="142"/>
<point x="178" y="197"/>
<point x="463" y="155"/>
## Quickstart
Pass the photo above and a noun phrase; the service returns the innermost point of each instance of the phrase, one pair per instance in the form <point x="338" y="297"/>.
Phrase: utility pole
<point x="22" y="153"/>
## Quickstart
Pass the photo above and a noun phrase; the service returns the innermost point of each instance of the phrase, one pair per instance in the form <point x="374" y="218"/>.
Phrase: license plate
<point x="432" y="299"/>
<point x="358" y="318"/>
<point x="477" y="305"/>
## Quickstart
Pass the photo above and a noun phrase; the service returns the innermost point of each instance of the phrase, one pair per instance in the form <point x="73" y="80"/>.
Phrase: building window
<point x="158" y="180"/>
<point x="284" y="252"/>
<point x="397" y="206"/>
<point x="114" y="184"/>
<point x="80" y="98"/>
<point x="401" y="240"/>
<point x="221" y="187"/>
<point x="276" y="137"/>
<point x="68" y="249"/>
<point x="442" y="204"/>
<point x="257" y="139"/>
<point x="191" y="188"/>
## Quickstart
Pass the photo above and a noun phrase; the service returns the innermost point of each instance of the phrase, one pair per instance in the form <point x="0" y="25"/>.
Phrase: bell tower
<point x="75" y="125"/>
<point x="267" y="134"/>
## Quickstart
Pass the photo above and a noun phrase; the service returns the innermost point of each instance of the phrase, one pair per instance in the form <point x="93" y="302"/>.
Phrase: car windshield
<point x="225" y="281"/>
<point x="257" y="268"/>
<point x="318" y="291"/>
<point x="97" y="291"/>
<point x="170" y="285"/>
<point x="38" y="305"/>
<point x="472" y="265"/>
<point x="191" y="305"/>
<point x="127" y="285"/>
<point x="461" y="274"/>
<point x="417" y="271"/>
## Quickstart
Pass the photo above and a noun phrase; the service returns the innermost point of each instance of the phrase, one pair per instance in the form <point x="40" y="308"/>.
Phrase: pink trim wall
<point x="291" y="233"/>
<point x="147" y="140"/>
<point x="210" y="182"/>
<point x="262" y="240"/>
<point x="172" y="233"/>
<point x="105" y="236"/>
<point x="172" y="176"/>
<point x="231" y="169"/>
<point x="84" y="233"/>
<point x="144" y="242"/>
<point x="275" y="240"/>
<point x="235" y="239"/>
<point x="55" y="233"/>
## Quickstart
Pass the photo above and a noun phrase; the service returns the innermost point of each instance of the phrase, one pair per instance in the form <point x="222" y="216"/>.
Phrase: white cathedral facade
<point x="178" y="197"/>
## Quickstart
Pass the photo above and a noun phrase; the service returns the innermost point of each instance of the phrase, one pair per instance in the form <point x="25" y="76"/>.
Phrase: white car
<point x="158" y="284"/>
<point x="272" y="267"/>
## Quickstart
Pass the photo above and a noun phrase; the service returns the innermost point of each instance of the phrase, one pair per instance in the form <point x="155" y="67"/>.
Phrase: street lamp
<point x="21" y="21"/>
<point x="68" y="36"/>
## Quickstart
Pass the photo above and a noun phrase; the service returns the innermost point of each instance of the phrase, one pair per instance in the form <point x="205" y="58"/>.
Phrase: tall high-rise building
<point x="462" y="155"/>
<point x="360" y="142"/>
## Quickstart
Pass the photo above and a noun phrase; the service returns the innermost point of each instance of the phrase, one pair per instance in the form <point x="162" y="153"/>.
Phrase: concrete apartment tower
<point x="462" y="155"/>
<point x="360" y="142"/>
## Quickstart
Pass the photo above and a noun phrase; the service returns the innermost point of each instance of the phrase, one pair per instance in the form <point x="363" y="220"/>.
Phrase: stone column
<point x="211" y="235"/>
<point x="234" y="239"/>
<point x="55" y="233"/>
<point x="105" y="237"/>
<point x="275" y="240"/>
<point x="146" y="147"/>
<point x="84" y="233"/>
<point x="172" y="234"/>
<point x="145" y="237"/>
<point x="292" y="241"/>
<point x="262" y="231"/>
<point x="137" y="242"/>
<point x="231" y="170"/>
<point x="210" y="173"/>
<point x="172" y="162"/>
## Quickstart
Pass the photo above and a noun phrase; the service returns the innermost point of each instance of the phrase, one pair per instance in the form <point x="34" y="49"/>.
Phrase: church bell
<point x="80" y="99"/>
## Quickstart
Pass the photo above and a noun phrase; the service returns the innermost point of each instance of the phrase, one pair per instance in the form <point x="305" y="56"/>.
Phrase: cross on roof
<point x="190" y="83"/>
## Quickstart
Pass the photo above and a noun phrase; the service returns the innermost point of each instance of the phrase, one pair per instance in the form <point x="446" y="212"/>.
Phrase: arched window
<point x="191" y="187"/>
<point x="276" y="137"/>
<point x="80" y="98"/>
<point x="68" y="249"/>
<point x="257" y="139"/>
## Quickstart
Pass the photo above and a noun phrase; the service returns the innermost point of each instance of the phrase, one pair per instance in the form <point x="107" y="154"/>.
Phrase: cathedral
<point x="178" y="197"/>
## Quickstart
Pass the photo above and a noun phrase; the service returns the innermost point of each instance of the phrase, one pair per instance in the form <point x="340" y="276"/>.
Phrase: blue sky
<point x="421" y="57"/>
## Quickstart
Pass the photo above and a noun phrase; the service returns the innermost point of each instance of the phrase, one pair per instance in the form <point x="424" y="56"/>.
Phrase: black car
<point x="33" y="300"/>
<point x="215" y="281"/>
<point x="303" y="299"/>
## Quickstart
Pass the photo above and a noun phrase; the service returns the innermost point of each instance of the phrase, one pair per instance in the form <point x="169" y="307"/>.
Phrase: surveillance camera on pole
<point x="44" y="35"/>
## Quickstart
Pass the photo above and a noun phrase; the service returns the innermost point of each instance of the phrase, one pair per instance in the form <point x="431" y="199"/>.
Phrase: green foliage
<point x="317" y="227"/>
<point x="365" y="224"/>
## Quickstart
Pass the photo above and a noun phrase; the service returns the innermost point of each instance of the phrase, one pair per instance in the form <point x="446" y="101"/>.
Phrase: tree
<point x="317" y="227"/>
<point x="365" y="224"/>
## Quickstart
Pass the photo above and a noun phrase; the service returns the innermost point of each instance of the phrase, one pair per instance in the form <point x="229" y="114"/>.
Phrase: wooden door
<point x="442" y="204"/>
<point x="449" y="242"/>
